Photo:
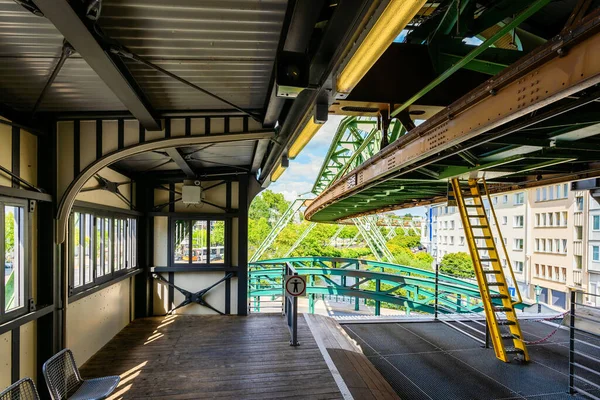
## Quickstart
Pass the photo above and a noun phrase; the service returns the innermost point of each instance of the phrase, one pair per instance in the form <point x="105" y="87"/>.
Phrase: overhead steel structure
<point x="535" y="122"/>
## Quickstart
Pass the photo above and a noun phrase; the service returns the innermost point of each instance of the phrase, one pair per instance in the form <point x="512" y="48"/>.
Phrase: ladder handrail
<point x="512" y="274"/>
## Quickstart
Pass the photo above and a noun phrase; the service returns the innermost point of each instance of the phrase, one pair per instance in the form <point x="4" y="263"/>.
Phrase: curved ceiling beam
<point x="68" y="198"/>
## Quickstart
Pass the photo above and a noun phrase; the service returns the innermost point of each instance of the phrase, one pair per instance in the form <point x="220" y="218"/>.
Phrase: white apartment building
<point x="593" y="249"/>
<point x="549" y="232"/>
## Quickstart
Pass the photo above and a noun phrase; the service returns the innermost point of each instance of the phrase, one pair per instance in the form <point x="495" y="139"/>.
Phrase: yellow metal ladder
<point x="502" y="321"/>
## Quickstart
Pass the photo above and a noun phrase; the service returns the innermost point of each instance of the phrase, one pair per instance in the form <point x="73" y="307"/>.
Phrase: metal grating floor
<point x="429" y="360"/>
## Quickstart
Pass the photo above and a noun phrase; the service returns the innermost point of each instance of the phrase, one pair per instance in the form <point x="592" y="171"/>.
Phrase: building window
<point x="519" y="198"/>
<point x="518" y="266"/>
<point x="544" y="194"/>
<point x="578" y="262"/>
<point x="557" y="218"/>
<point x="518" y="221"/>
<point x="102" y="248"/>
<point x="14" y="289"/>
<point x="504" y="220"/>
<point x="451" y="224"/>
<point x="537" y="195"/>
<point x="565" y="190"/>
<point x="564" y="245"/>
<point x="557" y="245"/>
<point x="505" y="199"/>
<point x="579" y="203"/>
<point x="550" y="219"/>
<point x="537" y="244"/>
<point x="558" y="192"/>
<point x="578" y="233"/>
<point x="537" y="269"/>
<point x="505" y="240"/>
<point x="496" y="200"/>
<point x="207" y="238"/>
<point x="596" y="253"/>
<point x="462" y="241"/>
<point x="518" y="244"/>
<point x="550" y="249"/>
<point x="596" y="224"/>
<point x="565" y="215"/>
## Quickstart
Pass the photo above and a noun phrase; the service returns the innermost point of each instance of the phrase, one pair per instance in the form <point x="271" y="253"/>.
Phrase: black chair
<point x="21" y="390"/>
<point x="65" y="382"/>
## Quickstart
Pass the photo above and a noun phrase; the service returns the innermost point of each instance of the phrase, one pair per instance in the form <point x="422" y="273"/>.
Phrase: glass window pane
<point x="199" y="245"/>
<point x="14" y="258"/>
<point x="77" y="249"/>
<point x="108" y="245"/>
<point x="88" y="249"/>
<point x="99" y="247"/>
<point x="217" y="242"/>
<point x="182" y="242"/>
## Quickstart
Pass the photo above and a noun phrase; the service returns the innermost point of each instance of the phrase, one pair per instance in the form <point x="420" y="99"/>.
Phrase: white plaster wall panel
<point x="5" y="153"/>
<point x="131" y="132"/>
<point x="161" y="229"/>
<point x="5" y="359"/>
<point x="178" y="127"/>
<point x="198" y="126"/>
<point x="96" y="319"/>
<point x="234" y="241"/>
<point x="161" y="298"/>
<point x="103" y="196"/>
<point x="217" y="125"/>
<point x="234" y="296"/>
<point x="87" y="143"/>
<point x="28" y="351"/>
<point x="161" y="196"/>
<point x="195" y="281"/>
<point x="235" y="187"/>
<point x="254" y="125"/>
<point x="236" y="124"/>
<point x="64" y="156"/>
<point x="110" y="136"/>
<point x="28" y="155"/>
<point x="154" y="135"/>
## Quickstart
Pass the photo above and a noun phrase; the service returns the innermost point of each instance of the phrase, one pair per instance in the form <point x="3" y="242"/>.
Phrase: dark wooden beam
<point x="181" y="162"/>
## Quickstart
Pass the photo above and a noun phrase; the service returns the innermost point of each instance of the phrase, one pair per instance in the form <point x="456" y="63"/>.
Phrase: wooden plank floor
<point x="198" y="357"/>
<point x="361" y="377"/>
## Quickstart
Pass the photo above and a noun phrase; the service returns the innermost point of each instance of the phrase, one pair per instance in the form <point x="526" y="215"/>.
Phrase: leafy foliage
<point x="457" y="264"/>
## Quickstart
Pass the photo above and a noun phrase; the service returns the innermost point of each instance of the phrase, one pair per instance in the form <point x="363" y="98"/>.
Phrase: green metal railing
<point x="373" y="281"/>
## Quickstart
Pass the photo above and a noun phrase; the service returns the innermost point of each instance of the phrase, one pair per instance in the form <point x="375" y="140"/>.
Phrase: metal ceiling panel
<point x="227" y="47"/>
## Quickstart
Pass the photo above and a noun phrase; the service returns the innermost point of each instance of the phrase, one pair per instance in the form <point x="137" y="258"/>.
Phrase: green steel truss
<point x="356" y="140"/>
<point x="412" y="288"/>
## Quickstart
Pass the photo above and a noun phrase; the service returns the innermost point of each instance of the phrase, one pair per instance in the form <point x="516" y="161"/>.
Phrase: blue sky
<point x="302" y="172"/>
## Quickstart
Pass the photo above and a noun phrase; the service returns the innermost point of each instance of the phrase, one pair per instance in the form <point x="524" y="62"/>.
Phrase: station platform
<point x="229" y="357"/>
<point x="430" y="360"/>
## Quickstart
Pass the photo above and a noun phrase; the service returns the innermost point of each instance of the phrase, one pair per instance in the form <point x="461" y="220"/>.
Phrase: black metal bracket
<point x="196" y="297"/>
<point x="112" y="187"/>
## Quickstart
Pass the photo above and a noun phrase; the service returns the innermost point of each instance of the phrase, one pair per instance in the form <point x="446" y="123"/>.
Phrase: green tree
<point x="457" y="264"/>
<point x="9" y="232"/>
<point x="268" y="205"/>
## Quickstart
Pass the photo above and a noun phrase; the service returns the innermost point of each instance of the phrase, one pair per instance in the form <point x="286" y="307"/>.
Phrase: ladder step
<point x="510" y="336"/>
<point x="474" y="205"/>
<point x="513" y="350"/>
<point x="482" y="237"/>
<point x="485" y="248"/>
<point x="476" y="216"/>
<point x="480" y="226"/>
<point x="498" y="296"/>
<point x="495" y="284"/>
<point x="506" y="322"/>
<point x="502" y="309"/>
<point x="491" y="271"/>
<point x="488" y="259"/>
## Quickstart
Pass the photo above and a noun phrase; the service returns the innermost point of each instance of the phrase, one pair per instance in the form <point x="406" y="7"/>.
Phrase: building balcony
<point x="577" y="278"/>
<point x="578" y="218"/>
<point x="578" y="248"/>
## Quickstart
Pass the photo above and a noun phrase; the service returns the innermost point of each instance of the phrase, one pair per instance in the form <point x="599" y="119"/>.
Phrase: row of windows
<point x="554" y="192"/>
<point x="550" y="272"/>
<point x="14" y="290"/>
<point x="101" y="247"/>
<point x="518" y="199"/>
<point x="551" y="219"/>
<point x="558" y="246"/>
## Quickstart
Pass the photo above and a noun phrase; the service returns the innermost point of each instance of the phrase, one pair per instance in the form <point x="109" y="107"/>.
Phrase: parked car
<point x="8" y="267"/>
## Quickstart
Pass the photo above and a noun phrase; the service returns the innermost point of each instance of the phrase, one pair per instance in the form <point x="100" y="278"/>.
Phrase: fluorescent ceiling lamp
<point x="277" y="173"/>
<point x="307" y="133"/>
<point x="395" y="17"/>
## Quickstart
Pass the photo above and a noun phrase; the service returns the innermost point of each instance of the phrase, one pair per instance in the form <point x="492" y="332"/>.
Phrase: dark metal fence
<point x="584" y="345"/>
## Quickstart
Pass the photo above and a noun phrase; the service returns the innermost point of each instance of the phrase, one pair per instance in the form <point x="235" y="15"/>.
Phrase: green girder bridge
<point x="412" y="288"/>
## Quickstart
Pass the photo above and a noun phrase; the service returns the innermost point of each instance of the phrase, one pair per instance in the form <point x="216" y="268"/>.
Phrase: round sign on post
<point x="295" y="285"/>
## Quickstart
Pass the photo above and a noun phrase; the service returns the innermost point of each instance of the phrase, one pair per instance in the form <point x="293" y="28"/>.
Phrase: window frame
<point x="595" y="218"/>
<point x="27" y="240"/>
<point x="190" y="265"/>
<point x="114" y="274"/>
